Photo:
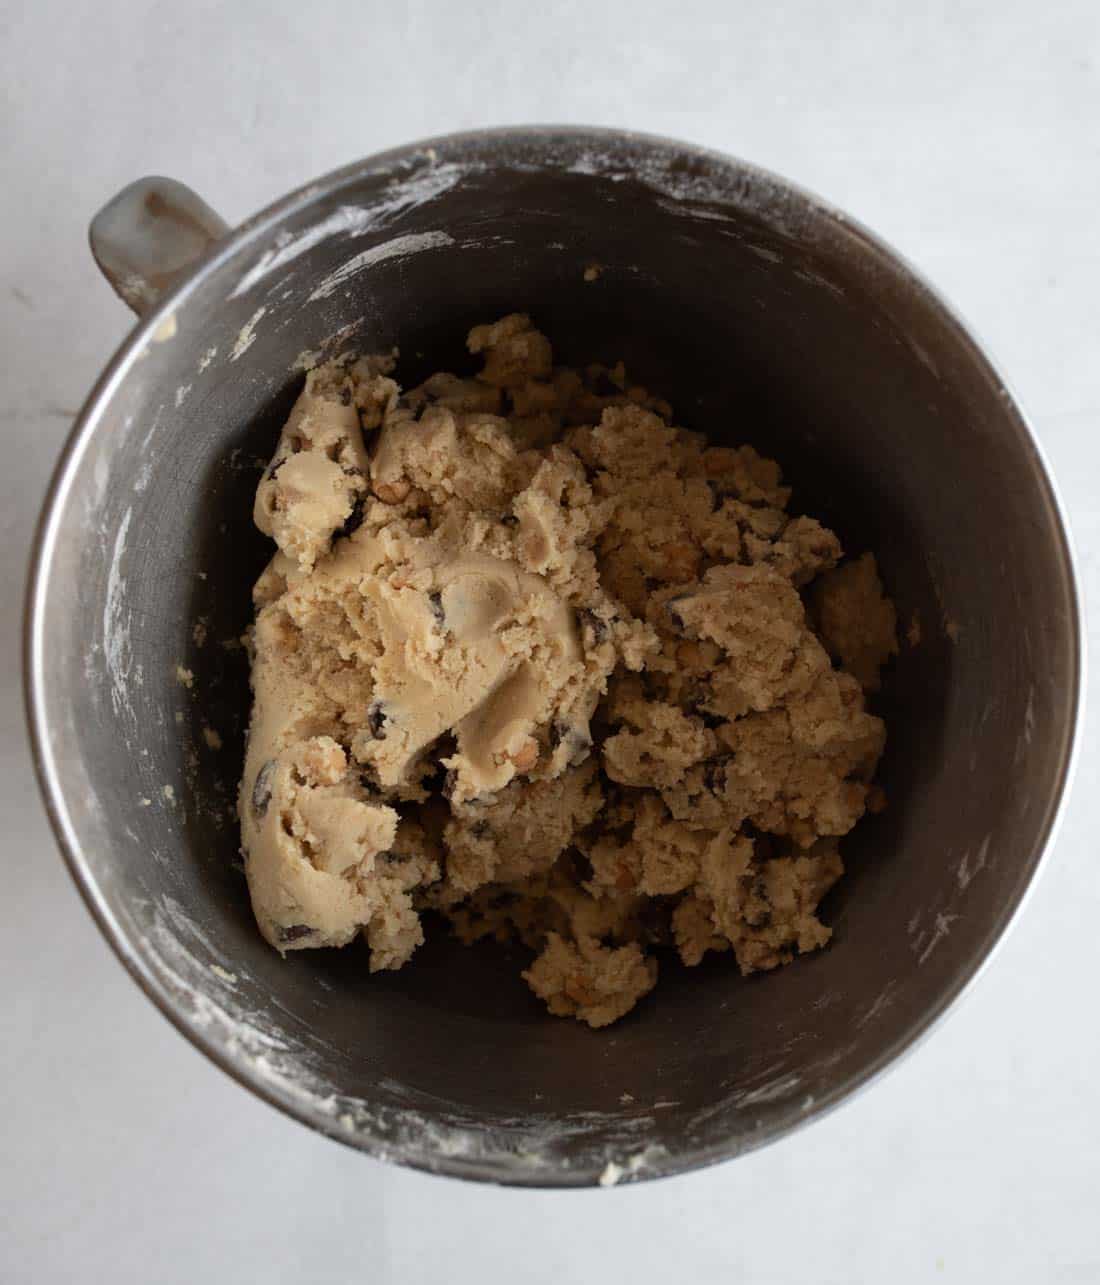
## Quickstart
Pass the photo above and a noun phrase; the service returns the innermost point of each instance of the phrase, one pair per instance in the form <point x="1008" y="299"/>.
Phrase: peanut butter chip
<point x="392" y="492"/>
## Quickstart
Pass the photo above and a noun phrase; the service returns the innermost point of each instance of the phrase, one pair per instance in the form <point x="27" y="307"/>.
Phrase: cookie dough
<point x="534" y="660"/>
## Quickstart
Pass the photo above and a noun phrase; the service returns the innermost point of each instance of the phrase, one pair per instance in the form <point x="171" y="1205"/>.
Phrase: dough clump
<point x="532" y="659"/>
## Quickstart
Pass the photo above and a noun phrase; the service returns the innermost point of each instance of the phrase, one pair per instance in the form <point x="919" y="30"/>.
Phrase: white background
<point x="967" y="134"/>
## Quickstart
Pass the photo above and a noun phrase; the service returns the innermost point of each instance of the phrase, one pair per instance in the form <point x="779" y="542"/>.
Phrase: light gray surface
<point x="967" y="137"/>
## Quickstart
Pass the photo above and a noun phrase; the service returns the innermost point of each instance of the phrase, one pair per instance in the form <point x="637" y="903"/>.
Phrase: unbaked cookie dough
<point x="533" y="659"/>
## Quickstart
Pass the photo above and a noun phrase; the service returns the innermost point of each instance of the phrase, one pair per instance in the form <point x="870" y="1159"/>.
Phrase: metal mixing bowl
<point x="764" y="316"/>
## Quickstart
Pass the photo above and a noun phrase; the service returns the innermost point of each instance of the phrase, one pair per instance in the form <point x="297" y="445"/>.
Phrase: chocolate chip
<point x="295" y="932"/>
<point x="261" y="789"/>
<point x="715" y="774"/>
<point x="369" y="783"/>
<point x="672" y="611"/>
<point x="479" y="829"/>
<point x="589" y="620"/>
<point x="578" y="741"/>
<point x="509" y="519"/>
<point x="760" y="916"/>
<point x="376" y="720"/>
<point x="713" y="721"/>
<point x="416" y="400"/>
<point x="389" y="858"/>
<point x="354" y="520"/>
<point x="435" y="601"/>
<point x="720" y="493"/>
<point x="695" y="691"/>
<point x="345" y="395"/>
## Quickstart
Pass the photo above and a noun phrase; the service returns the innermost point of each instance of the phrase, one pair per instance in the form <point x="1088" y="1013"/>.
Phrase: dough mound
<point x="533" y="659"/>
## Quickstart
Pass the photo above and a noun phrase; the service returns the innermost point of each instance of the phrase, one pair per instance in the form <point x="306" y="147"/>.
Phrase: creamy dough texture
<point x="534" y="659"/>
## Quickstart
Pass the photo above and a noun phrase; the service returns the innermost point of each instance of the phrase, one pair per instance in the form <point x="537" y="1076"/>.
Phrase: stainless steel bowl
<point x="765" y="316"/>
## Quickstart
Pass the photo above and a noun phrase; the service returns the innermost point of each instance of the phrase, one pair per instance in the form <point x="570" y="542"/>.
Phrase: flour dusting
<point x="353" y="221"/>
<point x="247" y="335"/>
<point x="396" y="248"/>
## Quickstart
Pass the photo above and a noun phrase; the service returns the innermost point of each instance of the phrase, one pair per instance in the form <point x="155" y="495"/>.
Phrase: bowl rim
<point x="521" y="145"/>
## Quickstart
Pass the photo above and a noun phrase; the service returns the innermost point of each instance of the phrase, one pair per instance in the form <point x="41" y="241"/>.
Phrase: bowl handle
<point x="149" y="235"/>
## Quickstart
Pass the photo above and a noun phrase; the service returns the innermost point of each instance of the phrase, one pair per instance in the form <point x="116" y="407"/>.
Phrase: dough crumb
<point x="532" y="657"/>
<point x="857" y="622"/>
<point x="594" y="983"/>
